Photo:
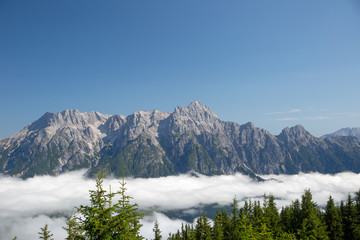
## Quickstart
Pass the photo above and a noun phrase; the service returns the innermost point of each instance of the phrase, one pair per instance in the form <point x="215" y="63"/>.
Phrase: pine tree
<point x="235" y="220"/>
<point x="311" y="227"/>
<point x="127" y="220"/>
<point x="45" y="233"/>
<point x="226" y="225"/>
<point x="246" y="230"/>
<point x="202" y="228"/>
<point x="271" y="215"/>
<point x="157" y="231"/>
<point x="357" y="212"/>
<point x="73" y="229"/>
<point x="103" y="220"/>
<point x="218" y="228"/>
<point x="258" y="216"/>
<point x="349" y="219"/>
<point x="97" y="222"/>
<point x="333" y="221"/>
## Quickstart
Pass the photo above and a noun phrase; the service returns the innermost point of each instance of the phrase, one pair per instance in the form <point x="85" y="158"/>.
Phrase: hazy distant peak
<point x="353" y="132"/>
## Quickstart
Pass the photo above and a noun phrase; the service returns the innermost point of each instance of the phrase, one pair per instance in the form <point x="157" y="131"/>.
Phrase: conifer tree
<point x="127" y="219"/>
<point x="357" y="212"/>
<point x="271" y="215"/>
<point x="226" y="225"/>
<point x="157" y="231"/>
<point x="235" y="220"/>
<point x="218" y="228"/>
<point x="103" y="220"/>
<point x="349" y="219"/>
<point x="311" y="227"/>
<point x="333" y="221"/>
<point x="97" y="222"/>
<point x="203" y="228"/>
<point x="258" y="216"/>
<point x="73" y="229"/>
<point x="45" y="233"/>
<point x="246" y="230"/>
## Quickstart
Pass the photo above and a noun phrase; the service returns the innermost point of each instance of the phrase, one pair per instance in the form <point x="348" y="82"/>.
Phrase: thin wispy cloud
<point x="27" y="204"/>
<point x="295" y="110"/>
<point x="287" y="119"/>
<point x="349" y="114"/>
<point x="317" y="118"/>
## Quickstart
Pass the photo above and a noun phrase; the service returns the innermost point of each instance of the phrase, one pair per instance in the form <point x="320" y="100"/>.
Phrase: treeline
<point x="301" y="220"/>
<point x="106" y="220"/>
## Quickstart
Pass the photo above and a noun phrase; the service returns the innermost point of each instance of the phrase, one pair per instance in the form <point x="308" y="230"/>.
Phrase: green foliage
<point x="45" y="233"/>
<point x="350" y="219"/>
<point x="333" y="221"/>
<point x="301" y="220"/>
<point x="73" y="229"/>
<point x="157" y="231"/>
<point x="105" y="220"/>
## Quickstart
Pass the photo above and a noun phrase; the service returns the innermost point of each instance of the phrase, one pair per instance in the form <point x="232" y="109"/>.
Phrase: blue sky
<point x="275" y="63"/>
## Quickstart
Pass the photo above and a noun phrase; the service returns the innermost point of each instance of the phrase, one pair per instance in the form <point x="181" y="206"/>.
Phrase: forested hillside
<point x="303" y="219"/>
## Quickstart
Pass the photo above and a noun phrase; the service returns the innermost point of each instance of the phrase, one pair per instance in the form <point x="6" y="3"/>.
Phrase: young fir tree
<point x="333" y="221"/>
<point x="312" y="226"/>
<point x="127" y="220"/>
<point x="73" y="229"/>
<point x="98" y="217"/>
<point x="258" y="217"/>
<point x="157" y="231"/>
<point x="349" y="219"/>
<point x="271" y="215"/>
<point x="226" y="224"/>
<point x="218" y="228"/>
<point x="45" y="233"/>
<point x="357" y="210"/>
<point x="203" y="228"/>
<point x="103" y="220"/>
<point x="235" y="220"/>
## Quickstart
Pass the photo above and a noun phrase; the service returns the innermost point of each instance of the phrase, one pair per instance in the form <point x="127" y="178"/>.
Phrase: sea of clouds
<point x="26" y="205"/>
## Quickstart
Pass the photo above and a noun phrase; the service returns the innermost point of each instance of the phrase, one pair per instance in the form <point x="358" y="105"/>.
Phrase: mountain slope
<point x="154" y="143"/>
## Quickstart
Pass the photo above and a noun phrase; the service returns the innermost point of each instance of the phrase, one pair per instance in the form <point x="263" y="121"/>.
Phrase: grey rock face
<point x="154" y="143"/>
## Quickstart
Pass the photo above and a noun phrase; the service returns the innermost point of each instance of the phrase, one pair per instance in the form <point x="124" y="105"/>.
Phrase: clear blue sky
<point x="275" y="63"/>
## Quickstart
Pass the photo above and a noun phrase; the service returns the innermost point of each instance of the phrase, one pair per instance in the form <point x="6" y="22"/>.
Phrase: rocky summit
<point x="154" y="143"/>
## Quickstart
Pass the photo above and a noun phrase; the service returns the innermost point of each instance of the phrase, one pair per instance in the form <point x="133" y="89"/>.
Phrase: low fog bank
<point x="26" y="205"/>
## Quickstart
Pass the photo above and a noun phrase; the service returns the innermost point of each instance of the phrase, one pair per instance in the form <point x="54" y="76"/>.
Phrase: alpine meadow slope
<point x="154" y="143"/>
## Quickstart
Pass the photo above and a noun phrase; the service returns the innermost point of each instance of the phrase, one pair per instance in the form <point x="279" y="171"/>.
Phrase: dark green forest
<point x="303" y="219"/>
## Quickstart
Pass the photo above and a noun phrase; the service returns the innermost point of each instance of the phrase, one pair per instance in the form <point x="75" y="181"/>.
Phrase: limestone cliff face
<point x="154" y="143"/>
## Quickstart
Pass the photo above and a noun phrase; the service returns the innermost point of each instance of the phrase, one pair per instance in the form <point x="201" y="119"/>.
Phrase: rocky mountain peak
<point x="197" y="111"/>
<point x="249" y="125"/>
<point x="296" y="135"/>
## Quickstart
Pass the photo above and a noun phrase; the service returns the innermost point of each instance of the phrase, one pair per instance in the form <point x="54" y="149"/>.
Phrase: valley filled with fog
<point x="26" y="205"/>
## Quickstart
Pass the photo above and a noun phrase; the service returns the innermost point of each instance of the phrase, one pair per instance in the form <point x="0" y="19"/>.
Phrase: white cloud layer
<point x="26" y="204"/>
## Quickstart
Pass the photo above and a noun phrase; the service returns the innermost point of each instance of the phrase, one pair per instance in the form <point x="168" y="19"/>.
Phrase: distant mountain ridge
<point x="154" y="143"/>
<point x="344" y="132"/>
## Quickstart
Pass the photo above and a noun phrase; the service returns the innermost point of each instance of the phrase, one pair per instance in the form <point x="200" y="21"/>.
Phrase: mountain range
<point x="154" y="143"/>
